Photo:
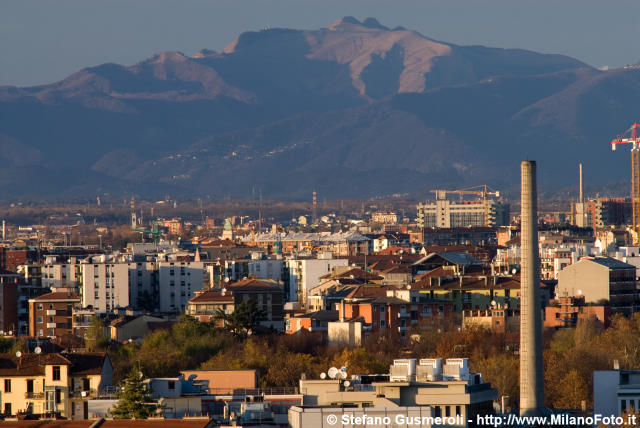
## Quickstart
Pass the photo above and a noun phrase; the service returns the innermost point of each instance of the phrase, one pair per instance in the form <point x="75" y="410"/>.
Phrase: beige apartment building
<point x="55" y="384"/>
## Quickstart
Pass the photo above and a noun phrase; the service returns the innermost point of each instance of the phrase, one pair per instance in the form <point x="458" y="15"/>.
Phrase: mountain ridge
<point x="387" y="110"/>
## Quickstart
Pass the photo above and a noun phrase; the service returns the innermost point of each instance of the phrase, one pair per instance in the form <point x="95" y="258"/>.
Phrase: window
<point x="7" y="408"/>
<point x="458" y="411"/>
<point x="58" y="396"/>
<point x="172" y="283"/>
<point x="39" y="320"/>
<point x="39" y="306"/>
<point x="172" y="384"/>
<point x="447" y="411"/>
<point x="382" y="308"/>
<point x="7" y="385"/>
<point x="382" y="323"/>
<point x="56" y="372"/>
<point x="97" y="295"/>
<point x="171" y="272"/>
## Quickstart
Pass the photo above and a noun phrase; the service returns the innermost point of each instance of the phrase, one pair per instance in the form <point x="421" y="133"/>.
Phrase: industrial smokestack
<point x="581" y="198"/>
<point x="531" y="380"/>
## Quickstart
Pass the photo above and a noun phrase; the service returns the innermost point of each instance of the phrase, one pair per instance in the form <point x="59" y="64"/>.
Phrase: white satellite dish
<point x="38" y="350"/>
<point x="346" y="383"/>
<point x="18" y="354"/>
<point x="493" y="303"/>
<point x="513" y="271"/>
<point x="323" y="375"/>
<point x="333" y="371"/>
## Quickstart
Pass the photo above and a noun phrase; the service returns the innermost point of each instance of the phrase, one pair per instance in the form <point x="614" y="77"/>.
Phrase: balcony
<point x="34" y="395"/>
<point x="51" y="325"/>
<point x="51" y="312"/>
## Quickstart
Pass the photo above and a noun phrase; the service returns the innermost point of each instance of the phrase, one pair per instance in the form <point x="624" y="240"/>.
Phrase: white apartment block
<point x="177" y="283"/>
<point x="304" y="274"/>
<point x="105" y="286"/>
<point x="59" y="275"/>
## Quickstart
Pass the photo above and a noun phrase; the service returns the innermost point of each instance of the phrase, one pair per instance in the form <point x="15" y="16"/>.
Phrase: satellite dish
<point x="38" y="350"/>
<point x="323" y="375"/>
<point x="493" y="303"/>
<point x="513" y="271"/>
<point x="346" y="383"/>
<point x="18" y="354"/>
<point x="332" y="372"/>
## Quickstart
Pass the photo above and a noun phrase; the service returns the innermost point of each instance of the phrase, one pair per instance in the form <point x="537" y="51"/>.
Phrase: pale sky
<point x="46" y="40"/>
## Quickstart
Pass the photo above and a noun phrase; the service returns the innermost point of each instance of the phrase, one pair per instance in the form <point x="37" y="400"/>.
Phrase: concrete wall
<point x="584" y="278"/>
<point x="345" y="333"/>
<point x="226" y="380"/>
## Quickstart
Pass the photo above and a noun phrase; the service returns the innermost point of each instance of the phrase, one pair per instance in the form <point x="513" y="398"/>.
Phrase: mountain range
<point x="352" y="110"/>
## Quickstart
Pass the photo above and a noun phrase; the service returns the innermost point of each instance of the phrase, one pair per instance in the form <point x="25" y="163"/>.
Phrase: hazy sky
<point x="44" y="41"/>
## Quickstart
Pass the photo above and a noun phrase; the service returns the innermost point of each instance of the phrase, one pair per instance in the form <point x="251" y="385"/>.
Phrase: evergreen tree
<point x="134" y="398"/>
<point x="243" y="320"/>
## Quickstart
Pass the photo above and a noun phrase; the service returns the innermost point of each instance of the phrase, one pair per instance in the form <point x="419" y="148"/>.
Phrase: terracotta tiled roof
<point x="58" y="295"/>
<point x="33" y="364"/>
<point x="355" y="272"/>
<point x="251" y="284"/>
<point x="369" y="291"/>
<point x="212" y="296"/>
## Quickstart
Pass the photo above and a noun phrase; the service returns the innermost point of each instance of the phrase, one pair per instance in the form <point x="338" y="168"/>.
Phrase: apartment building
<point x="54" y="384"/>
<point x="177" y="284"/>
<point x="301" y="275"/>
<point x="105" y="286"/>
<point x="601" y="279"/>
<point x="51" y="315"/>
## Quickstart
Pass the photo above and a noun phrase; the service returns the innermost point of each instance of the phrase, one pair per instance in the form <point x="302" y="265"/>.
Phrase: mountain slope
<point x="353" y="109"/>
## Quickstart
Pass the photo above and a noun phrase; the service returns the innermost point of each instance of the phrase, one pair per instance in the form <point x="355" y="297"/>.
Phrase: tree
<point x="95" y="338"/>
<point x="134" y="398"/>
<point x="573" y="389"/>
<point x="243" y="320"/>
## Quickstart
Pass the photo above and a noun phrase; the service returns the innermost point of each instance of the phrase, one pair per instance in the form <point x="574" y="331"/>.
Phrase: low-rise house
<point x="206" y="304"/>
<point x="131" y="327"/>
<point x="266" y="294"/>
<point x="616" y="391"/>
<point x="312" y="322"/>
<point x="56" y="384"/>
<point x="566" y="311"/>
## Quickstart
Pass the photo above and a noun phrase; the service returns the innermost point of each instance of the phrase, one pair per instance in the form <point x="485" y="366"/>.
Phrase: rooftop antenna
<point x="314" y="213"/>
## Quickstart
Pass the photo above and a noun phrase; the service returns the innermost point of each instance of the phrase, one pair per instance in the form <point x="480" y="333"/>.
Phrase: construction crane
<point x="442" y="194"/>
<point x="153" y="232"/>
<point x="631" y="137"/>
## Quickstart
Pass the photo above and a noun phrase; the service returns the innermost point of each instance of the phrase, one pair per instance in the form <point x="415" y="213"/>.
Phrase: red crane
<point x="631" y="137"/>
